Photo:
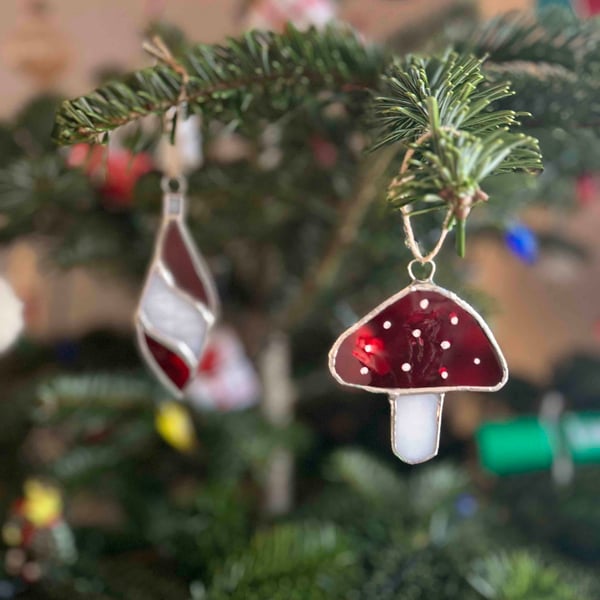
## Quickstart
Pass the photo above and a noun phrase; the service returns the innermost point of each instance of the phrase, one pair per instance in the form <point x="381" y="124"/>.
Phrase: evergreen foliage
<point x="260" y="74"/>
<point x="441" y="98"/>
<point x="552" y="62"/>
<point x="288" y="232"/>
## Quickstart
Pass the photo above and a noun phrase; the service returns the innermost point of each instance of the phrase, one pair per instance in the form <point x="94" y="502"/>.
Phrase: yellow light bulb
<point x="175" y="426"/>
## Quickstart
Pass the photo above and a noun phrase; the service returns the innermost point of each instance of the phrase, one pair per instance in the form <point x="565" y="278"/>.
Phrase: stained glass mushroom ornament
<point x="179" y="302"/>
<point x="417" y="345"/>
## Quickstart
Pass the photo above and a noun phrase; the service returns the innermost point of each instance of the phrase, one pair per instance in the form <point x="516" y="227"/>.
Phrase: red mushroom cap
<point x="424" y="338"/>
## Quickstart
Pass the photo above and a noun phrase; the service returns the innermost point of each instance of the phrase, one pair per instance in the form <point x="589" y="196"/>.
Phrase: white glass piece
<point x="171" y="315"/>
<point x="416" y="422"/>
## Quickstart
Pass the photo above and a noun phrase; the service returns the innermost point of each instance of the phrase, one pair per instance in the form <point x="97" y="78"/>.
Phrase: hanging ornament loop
<point x="173" y="185"/>
<point x="427" y="267"/>
<point x="174" y="190"/>
<point x="411" y="241"/>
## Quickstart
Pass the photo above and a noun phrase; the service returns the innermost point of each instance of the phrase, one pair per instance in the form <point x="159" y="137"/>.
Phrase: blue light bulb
<point x="522" y="242"/>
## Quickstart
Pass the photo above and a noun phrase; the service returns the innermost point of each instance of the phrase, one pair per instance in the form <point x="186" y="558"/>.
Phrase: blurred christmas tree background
<point x="269" y="481"/>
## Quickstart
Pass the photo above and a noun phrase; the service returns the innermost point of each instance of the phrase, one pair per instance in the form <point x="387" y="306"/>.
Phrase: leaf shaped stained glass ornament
<point x="179" y="302"/>
<point x="416" y="346"/>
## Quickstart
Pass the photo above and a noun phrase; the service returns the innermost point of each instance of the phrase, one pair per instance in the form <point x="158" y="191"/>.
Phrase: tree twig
<point x="322" y="275"/>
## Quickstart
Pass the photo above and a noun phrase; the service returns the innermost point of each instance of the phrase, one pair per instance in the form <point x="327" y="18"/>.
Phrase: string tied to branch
<point x="158" y="48"/>
<point x="458" y="205"/>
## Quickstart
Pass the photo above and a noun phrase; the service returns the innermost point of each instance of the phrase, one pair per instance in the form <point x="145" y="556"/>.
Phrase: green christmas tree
<point x="301" y="242"/>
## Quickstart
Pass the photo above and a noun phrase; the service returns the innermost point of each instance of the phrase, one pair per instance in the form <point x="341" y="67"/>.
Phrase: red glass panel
<point x="172" y="365"/>
<point x="176" y="257"/>
<point x="422" y="340"/>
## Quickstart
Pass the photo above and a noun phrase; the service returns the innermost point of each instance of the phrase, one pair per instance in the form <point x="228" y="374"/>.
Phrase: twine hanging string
<point x="174" y="178"/>
<point x="411" y="241"/>
<point x="156" y="47"/>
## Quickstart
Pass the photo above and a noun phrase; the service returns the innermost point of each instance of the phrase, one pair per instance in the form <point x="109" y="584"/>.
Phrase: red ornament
<point x="422" y="340"/>
<point x="179" y="302"/>
<point x="226" y="379"/>
<point x="415" y="347"/>
<point x="117" y="172"/>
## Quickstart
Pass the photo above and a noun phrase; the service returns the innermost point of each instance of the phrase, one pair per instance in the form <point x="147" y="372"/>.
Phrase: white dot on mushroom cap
<point x="416" y="333"/>
<point x="477" y="361"/>
<point x="387" y="324"/>
<point x="364" y="370"/>
<point x="445" y="345"/>
<point x="453" y="319"/>
<point x="368" y="348"/>
<point x="424" y="303"/>
<point x="405" y="367"/>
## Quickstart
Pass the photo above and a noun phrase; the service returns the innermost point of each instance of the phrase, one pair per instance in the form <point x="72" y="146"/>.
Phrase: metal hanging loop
<point x="174" y="202"/>
<point x="423" y="264"/>
<point x="173" y="185"/>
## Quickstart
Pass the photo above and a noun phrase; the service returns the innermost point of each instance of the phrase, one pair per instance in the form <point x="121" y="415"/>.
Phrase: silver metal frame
<point x="210" y="312"/>
<point x="421" y="285"/>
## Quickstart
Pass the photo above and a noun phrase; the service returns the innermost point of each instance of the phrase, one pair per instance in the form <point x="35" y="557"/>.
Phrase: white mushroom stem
<point x="416" y="421"/>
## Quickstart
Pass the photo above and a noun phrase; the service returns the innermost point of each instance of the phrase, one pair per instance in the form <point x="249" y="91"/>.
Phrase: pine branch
<point x="445" y="91"/>
<point x="260" y="73"/>
<point x="437" y="486"/>
<point x="312" y="559"/>
<point x="555" y="37"/>
<point x="201" y="536"/>
<point x="368" y="476"/>
<point x="552" y="62"/>
<point x="73" y="392"/>
<point x="520" y="576"/>
<point x="459" y="164"/>
<point x="440" y="108"/>
<point x="85" y="461"/>
<point x="555" y="95"/>
<point x="441" y="105"/>
<point x="417" y="573"/>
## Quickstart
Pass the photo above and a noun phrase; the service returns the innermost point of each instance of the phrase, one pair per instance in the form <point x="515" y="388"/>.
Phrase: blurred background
<point x="269" y="481"/>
